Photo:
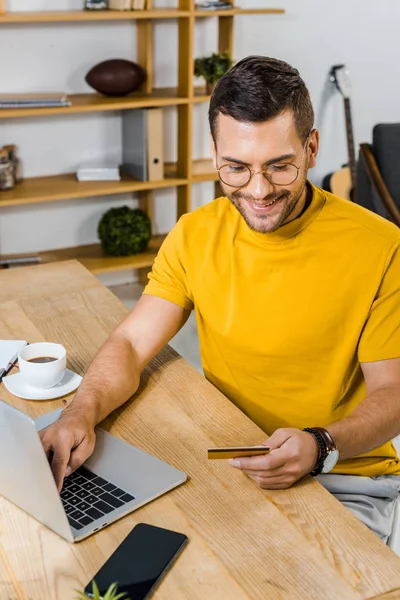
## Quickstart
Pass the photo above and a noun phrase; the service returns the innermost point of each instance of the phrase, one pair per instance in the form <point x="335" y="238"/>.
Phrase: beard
<point x="284" y="204"/>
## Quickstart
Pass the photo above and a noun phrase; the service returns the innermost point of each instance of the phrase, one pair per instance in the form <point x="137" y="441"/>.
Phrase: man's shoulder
<point x="357" y="219"/>
<point x="208" y="223"/>
<point x="209" y="213"/>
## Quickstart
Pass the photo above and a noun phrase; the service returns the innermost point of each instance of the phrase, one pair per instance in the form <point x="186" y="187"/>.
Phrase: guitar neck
<point x="350" y="141"/>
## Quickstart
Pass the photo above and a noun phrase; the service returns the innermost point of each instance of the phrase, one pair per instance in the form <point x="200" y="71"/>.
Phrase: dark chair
<point x="378" y="173"/>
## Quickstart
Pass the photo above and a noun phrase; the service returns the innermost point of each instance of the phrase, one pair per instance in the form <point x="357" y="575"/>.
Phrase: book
<point x="119" y="4"/>
<point x="98" y="173"/>
<point x="9" y="353"/>
<point x="138" y="4"/>
<point x="34" y="100"/>
<point x="19" y="260"/>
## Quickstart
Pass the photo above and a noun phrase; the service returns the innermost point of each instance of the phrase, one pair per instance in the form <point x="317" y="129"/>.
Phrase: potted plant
<point x="211" y="68"/>
<point x="111" y="593"/>
<point x="124" y="231"/>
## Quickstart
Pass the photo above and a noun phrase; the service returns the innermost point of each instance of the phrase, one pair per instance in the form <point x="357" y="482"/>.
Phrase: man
<point x="297" y="299"/>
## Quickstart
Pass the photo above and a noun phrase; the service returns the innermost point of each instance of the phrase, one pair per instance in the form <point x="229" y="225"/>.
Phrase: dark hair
<point x="259" y="88"/>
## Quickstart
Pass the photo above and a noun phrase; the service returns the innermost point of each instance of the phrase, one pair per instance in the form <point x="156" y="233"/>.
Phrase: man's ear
<point x="213" y="151"/>
<point x="313" y="145"/>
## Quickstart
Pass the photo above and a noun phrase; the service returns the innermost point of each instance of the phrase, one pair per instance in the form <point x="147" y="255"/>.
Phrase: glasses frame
<point x="264" y="173"/>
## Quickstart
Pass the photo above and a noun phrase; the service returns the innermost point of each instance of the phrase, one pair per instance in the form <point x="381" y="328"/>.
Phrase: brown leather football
<point x="116" y="77"/>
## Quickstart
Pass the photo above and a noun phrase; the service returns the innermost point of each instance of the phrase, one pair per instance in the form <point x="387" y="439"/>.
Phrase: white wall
<point x="315" y="34"/>
<point x="312" y="35"/>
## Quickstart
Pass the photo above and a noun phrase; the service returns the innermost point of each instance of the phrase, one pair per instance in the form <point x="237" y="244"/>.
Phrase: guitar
<point x="342" y="183"/>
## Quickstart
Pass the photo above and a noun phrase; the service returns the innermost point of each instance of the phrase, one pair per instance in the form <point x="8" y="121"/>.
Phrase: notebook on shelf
<point x="34" y="100"/>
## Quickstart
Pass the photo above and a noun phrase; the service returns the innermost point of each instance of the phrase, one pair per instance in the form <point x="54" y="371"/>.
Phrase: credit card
<point x="237" y="451"/>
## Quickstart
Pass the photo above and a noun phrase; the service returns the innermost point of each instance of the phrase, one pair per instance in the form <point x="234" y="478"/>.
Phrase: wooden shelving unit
<point x="82" y="103"/>
<point x="181" y="174"/>
<point x="125" y="15"/>
<point x="94" y="259"/>
<point x="64" y="187"/>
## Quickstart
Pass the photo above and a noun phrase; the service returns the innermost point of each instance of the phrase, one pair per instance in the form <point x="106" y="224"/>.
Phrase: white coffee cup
<point x="42" y="374"/>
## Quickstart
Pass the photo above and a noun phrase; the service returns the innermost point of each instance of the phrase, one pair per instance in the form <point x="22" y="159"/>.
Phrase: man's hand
<point x="68" y="443"/>
<point x="294" y="454"/>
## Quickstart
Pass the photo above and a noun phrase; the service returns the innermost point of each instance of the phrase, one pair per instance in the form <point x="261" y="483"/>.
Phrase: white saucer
<point x="17" y="386"/>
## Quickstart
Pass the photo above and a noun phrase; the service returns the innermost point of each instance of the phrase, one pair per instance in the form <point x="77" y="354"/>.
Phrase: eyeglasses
<point x="238" y="176"/>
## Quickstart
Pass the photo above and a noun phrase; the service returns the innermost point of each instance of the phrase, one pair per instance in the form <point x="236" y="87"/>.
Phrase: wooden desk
<point x="245" y="543"/>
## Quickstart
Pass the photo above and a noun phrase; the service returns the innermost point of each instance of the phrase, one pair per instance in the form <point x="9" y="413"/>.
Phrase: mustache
<point x="270" y="198"/>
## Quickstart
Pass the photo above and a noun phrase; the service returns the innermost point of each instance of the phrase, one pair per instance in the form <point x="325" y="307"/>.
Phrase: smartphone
<point x="237" y="451"/>
<point x="139" y="562"/>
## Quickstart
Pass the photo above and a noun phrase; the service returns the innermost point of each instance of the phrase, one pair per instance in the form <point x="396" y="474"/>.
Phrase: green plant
<point x="124" y="231"/>
<point x="111" y="593"/>
<point x="212" y="67"/>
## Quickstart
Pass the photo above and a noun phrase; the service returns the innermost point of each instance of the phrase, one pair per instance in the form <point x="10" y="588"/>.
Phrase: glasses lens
<point x="235" y="175"/>
<point x="282" y="174"/>
<point x="240" y="175"/>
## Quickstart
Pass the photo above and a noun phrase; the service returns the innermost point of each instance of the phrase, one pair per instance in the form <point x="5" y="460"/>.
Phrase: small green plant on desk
<point x="211" y="68"/>
<point x="111" y="593"/>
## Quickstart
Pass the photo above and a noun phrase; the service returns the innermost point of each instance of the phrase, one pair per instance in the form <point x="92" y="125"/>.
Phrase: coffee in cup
<point x="42" y="365"/>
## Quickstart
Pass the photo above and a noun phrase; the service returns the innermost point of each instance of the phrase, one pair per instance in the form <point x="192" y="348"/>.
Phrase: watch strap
<point x="323" y="449"/>
<point x="330" y="444"/>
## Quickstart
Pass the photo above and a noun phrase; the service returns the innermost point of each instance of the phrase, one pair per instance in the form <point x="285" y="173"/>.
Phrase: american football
<point x="116" y="77"/>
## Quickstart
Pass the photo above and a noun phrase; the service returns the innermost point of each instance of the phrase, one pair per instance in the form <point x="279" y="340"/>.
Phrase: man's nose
<point x="259" y="187"/>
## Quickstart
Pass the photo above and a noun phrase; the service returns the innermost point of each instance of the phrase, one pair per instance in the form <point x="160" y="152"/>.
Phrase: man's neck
<point x="302" y="205"/>
<point x="308" y="198"/>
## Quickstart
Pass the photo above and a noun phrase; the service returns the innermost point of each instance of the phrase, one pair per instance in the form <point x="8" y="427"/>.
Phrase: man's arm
<point x="111" y="380"/>
<point x="376" y="419"/>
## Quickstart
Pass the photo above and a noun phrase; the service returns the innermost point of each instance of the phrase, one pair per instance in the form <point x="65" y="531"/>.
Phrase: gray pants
<point x="370" y="499"/>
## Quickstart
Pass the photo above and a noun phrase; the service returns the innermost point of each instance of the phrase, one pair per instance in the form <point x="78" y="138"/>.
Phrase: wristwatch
<point x="328" y="453"/>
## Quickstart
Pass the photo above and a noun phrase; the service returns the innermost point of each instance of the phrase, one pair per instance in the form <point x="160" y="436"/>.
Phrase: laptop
<point x="116" y="480"/>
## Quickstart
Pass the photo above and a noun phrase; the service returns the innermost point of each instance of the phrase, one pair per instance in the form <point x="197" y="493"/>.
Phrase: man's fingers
<point x="263" y="462"/>
<point x="280" y="471"/>
<point x="48" y="449"/>
<point x="61" y="456"/>
<point x="79" y="455"/>
<point x="67" y="444"/>
<point x="279" y="437"/>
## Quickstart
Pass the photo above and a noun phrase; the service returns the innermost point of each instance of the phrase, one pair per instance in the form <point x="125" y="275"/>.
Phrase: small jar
<point x="12" y="156"/>
<point x="7" y="180"/>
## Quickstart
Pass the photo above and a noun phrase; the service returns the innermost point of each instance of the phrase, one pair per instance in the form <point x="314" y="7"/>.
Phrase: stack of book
<point x="126" y="4"/>
<point x="55" y="100"/>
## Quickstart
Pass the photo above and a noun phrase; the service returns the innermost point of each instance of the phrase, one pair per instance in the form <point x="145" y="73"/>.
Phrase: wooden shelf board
<point x="238" y="12"/>
<point x="200" y="95"/>
<point x="93" y="257"/>
<point x="202" y="170"/>
<point x="91" y="15"/>
<point x="125" y="15"/>
<point x="63" y="187"/>
<point x="82" y="103"/>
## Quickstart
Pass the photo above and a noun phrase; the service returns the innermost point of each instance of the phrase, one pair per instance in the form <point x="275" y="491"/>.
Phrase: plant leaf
<point x="81" y="595"/>
<point x="212" y="67"/>
<point x="95" y="591"/>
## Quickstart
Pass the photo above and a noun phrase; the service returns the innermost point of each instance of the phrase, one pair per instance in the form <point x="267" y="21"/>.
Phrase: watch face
<point x="330" y="461"/>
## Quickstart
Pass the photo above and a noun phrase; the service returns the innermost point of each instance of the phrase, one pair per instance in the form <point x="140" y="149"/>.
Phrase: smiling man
<point x="297" y="300"/>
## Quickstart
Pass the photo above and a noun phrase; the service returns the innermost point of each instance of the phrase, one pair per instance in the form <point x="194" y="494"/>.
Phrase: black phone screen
<point x="139" y="561"/>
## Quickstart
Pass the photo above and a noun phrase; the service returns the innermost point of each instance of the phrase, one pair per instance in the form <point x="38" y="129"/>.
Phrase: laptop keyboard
<point x="87" y="497"/>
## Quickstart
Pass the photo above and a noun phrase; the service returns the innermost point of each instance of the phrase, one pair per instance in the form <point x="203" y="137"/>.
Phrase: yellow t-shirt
<point x="285" y="318"/>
